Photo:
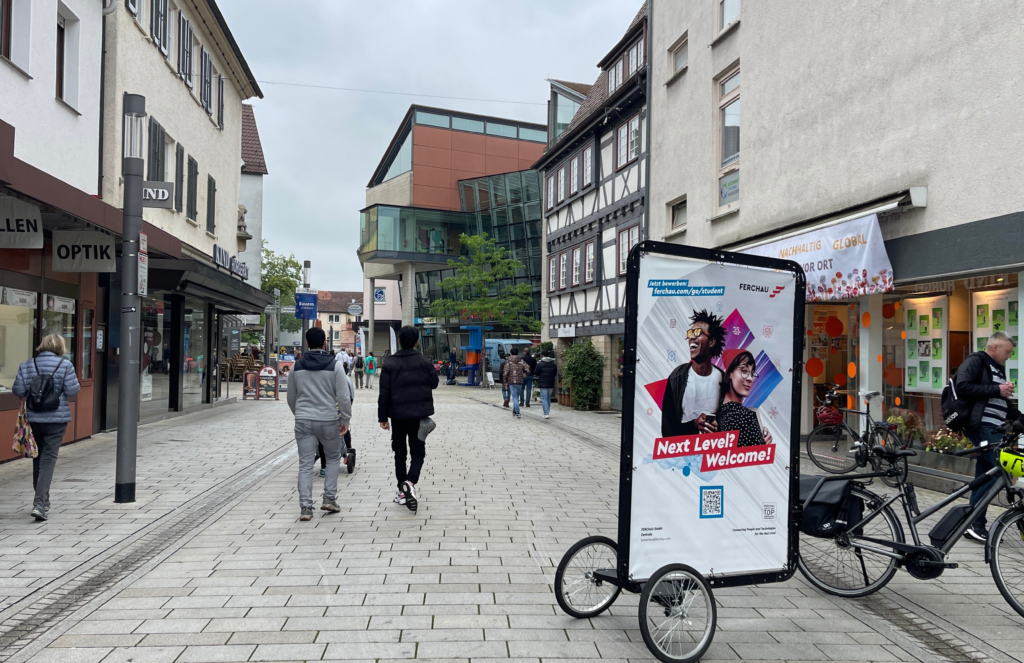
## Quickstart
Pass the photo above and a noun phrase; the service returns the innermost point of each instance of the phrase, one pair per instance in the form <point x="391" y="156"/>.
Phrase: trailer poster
<point x="712" y="417"/>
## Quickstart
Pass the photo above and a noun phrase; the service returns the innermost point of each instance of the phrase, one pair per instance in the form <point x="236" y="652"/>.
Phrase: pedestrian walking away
<point x="406" y="382"/>
<point x="504" y="385"/>
<point x="513" y="374"/>
<point x="46" y="383"/>
<point x="358" y="367"/>
<point x="528" y="380"/>
<point x="320" y="396"/>
<point x="982" y="381"/>
<point x="547" y="376"/>
<point x="371" y="370"/>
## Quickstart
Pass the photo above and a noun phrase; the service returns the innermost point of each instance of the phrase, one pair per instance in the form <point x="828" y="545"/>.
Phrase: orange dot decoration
<point x="840" y="380"/>
<point x="888" y="311"/>
<point x="814" y="367"/>
<point x="849" y="402"/>
<point x="896" y="305"/>
<point x="903" y="335"/>
<point x="893" y="375"/>
<point x="897" y="401"/>
<point x="865" y="320"/>
<point x="879" y="359"/>
<point x="810" y="332"/>
<point x="851" y="370"/>
<point x="834" y="326"/>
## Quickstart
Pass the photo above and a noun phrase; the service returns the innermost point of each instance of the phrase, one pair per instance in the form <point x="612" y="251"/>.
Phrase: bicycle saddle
<point x="870" y="394"/>
<point x="892" y="453"/>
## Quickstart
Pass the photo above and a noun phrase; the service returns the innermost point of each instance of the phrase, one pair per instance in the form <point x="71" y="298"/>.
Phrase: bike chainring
<point x="914" y="566"/>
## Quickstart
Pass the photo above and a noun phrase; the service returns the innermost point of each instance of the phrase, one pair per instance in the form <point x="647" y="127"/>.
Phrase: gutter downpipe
<point x="107" y="10"/>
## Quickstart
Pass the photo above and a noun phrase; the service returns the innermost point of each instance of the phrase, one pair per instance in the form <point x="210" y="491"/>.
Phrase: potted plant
<point x="939" y="449"/>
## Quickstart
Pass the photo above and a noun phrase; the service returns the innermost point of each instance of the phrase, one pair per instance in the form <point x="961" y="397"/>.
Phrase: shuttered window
<point x="179" y="178"/>
<point x="193" y="183"/>
<point x="133" y="6"/>
<point x="211" y="205"/>
<point x="185" y="50"/>
<point x="220" y="102"/>
<point x="156" y="165"/>
<point x="158" y="28"/>
<point x="206" y="81"/>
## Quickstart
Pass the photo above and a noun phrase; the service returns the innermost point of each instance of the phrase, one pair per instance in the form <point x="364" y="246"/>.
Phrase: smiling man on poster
<point x="692" y="393"/>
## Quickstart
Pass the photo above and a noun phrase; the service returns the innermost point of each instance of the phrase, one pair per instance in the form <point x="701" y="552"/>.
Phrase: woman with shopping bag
<point x="46" y="382"/>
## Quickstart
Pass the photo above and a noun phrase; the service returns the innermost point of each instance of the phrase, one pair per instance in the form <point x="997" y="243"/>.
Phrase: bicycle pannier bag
<point x="944" y="528"/>
<point x="955" y="412"/>
<point x="833" y="510"/>
<point x="42" y="395"/>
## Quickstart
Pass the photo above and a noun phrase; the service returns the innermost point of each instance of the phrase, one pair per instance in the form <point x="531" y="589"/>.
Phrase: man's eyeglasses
<point x="695" y="332"/>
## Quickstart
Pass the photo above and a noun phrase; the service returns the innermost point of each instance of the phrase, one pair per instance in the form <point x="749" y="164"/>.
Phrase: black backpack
<point x="956" y="412"/>
<point x="42" y="396"/>
<point x="834" y="509"/>
<point x="359" y="362"/>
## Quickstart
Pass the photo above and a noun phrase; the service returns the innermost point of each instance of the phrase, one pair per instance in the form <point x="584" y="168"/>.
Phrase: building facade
<point x="333" y="317"/>
<point x="250" y="198"/>
<point x="595" y="204"/>
<point x="862" y="167"/>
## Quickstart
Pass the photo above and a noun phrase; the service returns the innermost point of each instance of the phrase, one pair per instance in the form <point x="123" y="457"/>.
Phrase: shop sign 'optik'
<point x="83" y="251"/>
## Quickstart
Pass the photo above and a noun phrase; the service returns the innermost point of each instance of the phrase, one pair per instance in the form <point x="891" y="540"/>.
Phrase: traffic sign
<point x="355" y="310"/>
<point x="287" y="309"/>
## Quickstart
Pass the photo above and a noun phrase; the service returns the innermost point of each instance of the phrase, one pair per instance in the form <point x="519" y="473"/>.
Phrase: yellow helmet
<point x="1012" y="461"/>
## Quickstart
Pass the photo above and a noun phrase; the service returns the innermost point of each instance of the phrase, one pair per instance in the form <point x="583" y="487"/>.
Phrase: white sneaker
<point x="547" y="416"/>
<point x="399" y="498"/>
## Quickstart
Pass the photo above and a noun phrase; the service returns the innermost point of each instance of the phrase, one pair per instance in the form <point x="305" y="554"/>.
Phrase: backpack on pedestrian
<point x="42" y="394"/>
<point x="359" y="363"/>
<point x="956" y="412"/>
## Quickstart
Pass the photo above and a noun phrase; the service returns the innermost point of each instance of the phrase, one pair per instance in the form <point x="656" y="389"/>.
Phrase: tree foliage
<point x="483" y="289"/>
<point x="583" y="372"/>
<point x="285" y="274"/>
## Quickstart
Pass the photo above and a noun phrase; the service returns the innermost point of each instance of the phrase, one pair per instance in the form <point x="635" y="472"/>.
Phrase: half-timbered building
<point x="595" y="172"/>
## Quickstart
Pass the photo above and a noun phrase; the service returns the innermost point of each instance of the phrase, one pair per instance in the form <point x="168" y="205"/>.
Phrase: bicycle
<point x="860" y="558"/>
<point x="835" y="448"/>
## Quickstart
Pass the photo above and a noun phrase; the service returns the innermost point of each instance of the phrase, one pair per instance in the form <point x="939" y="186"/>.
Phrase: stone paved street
<point x="467" y="578"/>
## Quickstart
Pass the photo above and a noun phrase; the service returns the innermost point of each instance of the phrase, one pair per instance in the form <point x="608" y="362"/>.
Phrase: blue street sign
<point x="305" y="305"/>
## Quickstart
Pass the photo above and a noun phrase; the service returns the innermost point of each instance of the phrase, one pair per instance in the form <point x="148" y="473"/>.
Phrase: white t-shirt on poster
<point x="701" y="394"/>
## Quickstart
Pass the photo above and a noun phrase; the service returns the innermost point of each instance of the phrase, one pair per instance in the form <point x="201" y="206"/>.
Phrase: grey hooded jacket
<point x="319" y="390"/>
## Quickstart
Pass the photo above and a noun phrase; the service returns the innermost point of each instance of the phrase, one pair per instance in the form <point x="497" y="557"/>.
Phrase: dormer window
<point x="636" y="56"/>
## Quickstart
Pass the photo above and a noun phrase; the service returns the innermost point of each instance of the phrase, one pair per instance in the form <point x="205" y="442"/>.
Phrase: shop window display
<point x="195" y="350"/>
<point x="59" y="318"/>
<point x="17" y="324"/>
<point x="156" y="358"/>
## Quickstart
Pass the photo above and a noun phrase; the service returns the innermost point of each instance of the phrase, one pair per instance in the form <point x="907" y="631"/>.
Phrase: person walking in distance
<point x="531" y="364"/>
<point x="514" y="373"/>
<point x="981" y="379"/>
<point x="371" y="370"/>
<point x="320" y="396"/>
<point x="406" y="381"/>
<point x="547" y="376"/>
<point x="46" y="383"/>
<point x="501" y="379"/>
<point x="358" y="367"/>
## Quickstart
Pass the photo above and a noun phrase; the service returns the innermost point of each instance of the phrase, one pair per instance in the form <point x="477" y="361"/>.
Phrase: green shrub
<point x="584" y="369"/>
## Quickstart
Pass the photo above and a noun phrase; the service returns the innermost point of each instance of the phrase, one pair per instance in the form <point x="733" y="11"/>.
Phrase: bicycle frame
<point x="1001" y="483"/>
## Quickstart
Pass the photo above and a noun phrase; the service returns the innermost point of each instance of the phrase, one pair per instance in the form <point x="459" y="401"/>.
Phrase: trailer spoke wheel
<point x="677" y="614"/>
<point x="580" y="593"/>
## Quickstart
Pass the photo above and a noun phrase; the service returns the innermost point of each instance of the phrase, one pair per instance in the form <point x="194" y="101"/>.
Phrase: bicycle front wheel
<point x="1007" y="560"/>
<point x="832" y="448"/>
<point x="837" y="565"/>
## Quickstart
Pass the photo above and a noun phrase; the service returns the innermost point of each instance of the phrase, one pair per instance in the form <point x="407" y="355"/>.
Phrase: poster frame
<point x="626" y="459"/>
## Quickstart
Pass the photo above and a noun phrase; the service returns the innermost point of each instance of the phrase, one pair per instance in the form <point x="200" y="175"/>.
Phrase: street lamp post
<point x="131" y="303"/>
<point x="305" y="321"/>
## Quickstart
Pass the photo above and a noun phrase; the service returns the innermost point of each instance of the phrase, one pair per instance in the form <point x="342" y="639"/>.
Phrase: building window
<point x="60" y="56"/>
<point x="561" y="184"/>
<point x="628" y="141"/>
<point x="621" y="145"/>
<point x="206" y="80"/>
<point x="588" y="166"/>
<point x="576" y="266"/>
<point x="503" y="130"/>
<point x="552" y="274"/>
<point x="588" y="259"/>
<point x="185" y="50"/>
<point x="551" y="192"/>
<point x="562" y="263"/>
<point x="728" y="12"/>
<point x="135" y="7"/>
<point x="158" y="29"/>
<point x="193" y="183"/>
<point x="157" y="150"/>
<point x="636" y="57"/>
<point x="574" y="175"/>
<point x="634" y="138"/>
<point x="628" y="238"/>
<point x="729" y="139"/>
<point x="220" y="102"/>
<point x="679" y="215"/>
<point x="681" y="55"/>
<point x="179" y="178"/>
<point x="432" y="119"/>
<point x="615" y="76"/>
<point x="6" y="17"/>
<point x="211" y="206"/>
<point x="462" y="124"/>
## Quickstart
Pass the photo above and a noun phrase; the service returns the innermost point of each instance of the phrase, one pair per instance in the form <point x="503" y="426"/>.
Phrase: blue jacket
<point x="64" y="381"/>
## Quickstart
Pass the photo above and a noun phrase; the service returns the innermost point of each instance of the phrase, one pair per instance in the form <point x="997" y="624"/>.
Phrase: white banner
<point x="15" y="297"/>
<point x="927" y="349"/>
<point x="362" y="342"/>
<point x="394" y="341"/>
<point x="997" y="310"/>
<point x="20" y="224"/>
<point x="83" y="251"/>
<point x="712" y="417"/>
<point x="843" y="261"/>
<point x="60" y="304"/>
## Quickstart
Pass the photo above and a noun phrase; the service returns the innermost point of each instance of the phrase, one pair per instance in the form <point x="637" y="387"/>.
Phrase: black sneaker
<point x="307" y="514"/>
<point x="39" y="513"/>
<point x="330" y="505"/>
<point x="409" y="492"/>
<point x="977" y="534"/>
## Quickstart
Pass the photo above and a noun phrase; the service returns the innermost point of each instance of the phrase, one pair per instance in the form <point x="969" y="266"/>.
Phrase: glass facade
<point x="504" y="129"/>
<point x="403" y="160"/>
<point x="412" y="230"/>
<point x="17" y="324"/>
<point x="195" y="352"/>
<point x="155" y="390"/>
<point x="565" y="109"/>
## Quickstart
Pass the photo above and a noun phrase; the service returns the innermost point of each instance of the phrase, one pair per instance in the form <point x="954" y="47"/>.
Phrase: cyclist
<point x="982" y="381"/>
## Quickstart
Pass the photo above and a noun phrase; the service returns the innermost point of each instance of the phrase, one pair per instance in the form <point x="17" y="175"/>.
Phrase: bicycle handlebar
<point x="1010" y="430"/>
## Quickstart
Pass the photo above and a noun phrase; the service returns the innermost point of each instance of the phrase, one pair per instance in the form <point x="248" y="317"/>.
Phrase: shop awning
<point x="193" y="278"/>
<point x="843" y="258"/>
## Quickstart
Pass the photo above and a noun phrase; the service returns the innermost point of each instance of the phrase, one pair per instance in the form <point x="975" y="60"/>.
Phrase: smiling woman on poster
<point x="732" y="414"/>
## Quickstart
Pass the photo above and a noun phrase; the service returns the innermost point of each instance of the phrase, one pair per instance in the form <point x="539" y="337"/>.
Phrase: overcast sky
<point x="323" y="145"/>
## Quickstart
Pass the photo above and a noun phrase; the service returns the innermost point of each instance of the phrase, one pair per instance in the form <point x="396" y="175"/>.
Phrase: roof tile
<point x="252" y="150"/>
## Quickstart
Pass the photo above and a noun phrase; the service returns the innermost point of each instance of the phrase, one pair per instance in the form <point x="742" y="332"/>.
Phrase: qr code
<point x="711" y="501"/>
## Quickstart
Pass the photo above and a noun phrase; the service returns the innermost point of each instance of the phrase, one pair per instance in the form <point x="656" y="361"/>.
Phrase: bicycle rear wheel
<point x="837" y="566"/>
<point x="1007" y="560"/>
<point x="832" y="449"/>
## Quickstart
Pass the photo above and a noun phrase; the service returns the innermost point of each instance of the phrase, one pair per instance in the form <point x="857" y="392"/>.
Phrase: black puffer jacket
<point x="547" y="373"/>
<point x="974" y="383"/>
<point x="406" y="380"/>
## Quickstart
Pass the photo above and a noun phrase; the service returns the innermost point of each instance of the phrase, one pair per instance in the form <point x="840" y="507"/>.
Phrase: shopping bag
<point x="427" y="427"/>
<point x="24" y="442"/>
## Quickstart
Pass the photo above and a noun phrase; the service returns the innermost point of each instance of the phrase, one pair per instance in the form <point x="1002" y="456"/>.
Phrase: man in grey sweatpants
<point x="320" y="397"/>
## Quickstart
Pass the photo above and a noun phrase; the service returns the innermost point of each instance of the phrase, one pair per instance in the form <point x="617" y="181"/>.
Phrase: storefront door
<point x="833" y="333"/>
